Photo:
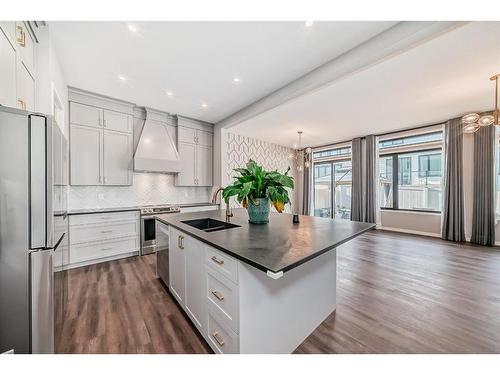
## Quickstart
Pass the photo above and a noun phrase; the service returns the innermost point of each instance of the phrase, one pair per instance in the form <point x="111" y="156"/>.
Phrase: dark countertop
<point x="132" y="208"/>
<point x="278" y="246"/>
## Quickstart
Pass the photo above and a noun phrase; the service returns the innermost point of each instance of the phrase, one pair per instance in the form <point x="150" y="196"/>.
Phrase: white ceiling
<point x="443" y="78"/>
<point x="197" y="61"/>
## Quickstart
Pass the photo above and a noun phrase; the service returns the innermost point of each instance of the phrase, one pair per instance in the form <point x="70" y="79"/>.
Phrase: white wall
<point x="50" y="77"/>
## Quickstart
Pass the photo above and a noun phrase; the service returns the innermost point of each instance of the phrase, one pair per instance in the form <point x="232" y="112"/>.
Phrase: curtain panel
<point x="483" y="212"/>
<point x="357" y="181"/>
<point x="370" y="179"/>
<point x="453" y="224"/>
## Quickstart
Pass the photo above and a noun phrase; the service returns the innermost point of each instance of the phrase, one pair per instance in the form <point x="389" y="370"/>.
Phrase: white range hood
<point x="156" y="150"/>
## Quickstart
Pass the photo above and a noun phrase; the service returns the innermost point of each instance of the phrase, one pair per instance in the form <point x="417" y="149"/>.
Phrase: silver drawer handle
<point x="106" y="248"/>
<point x="180" y="242"/>
<point x="218" y="295"/>
<point x="218" y="261"/>
<point x="217" y="338"/>
<point x="106" y="231"/>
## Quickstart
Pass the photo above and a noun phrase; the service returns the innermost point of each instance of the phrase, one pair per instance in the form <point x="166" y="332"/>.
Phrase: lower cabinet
<point x="100" y="237"/>
<point x="207" y="296"/>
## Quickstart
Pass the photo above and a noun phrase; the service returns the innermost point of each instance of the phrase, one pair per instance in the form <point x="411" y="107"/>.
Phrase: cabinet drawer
<point x="222" y="339"/>
<point x="222" y="263"/>
<point x="222" y="294"/>
<point x="104" y="217"/>
<point x="90" y="233"/>
<point x="84" y="252"/>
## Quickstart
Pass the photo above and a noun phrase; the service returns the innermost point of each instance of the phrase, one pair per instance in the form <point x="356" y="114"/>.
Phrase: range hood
<point x="156" y="150"/>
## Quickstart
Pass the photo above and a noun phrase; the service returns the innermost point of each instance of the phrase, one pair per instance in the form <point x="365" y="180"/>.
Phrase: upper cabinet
<point x="17" y="65"/>
<point x="194" y="144"/>
<point x="101" y="140"/>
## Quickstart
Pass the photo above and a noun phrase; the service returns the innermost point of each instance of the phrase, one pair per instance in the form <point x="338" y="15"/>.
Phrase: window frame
<point x="395" y="180"/>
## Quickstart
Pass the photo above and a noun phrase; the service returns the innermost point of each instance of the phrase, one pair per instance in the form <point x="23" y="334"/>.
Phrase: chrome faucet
<point x="229" y="213"/>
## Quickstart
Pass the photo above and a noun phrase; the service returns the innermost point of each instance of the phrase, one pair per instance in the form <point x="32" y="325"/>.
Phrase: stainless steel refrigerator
<point x="32" y="199"/>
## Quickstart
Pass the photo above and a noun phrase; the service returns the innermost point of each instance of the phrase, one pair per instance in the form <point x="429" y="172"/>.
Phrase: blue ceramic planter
<point x="258" y="213"/>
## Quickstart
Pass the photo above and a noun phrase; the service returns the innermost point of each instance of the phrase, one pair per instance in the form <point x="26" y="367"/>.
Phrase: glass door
<point x="323" y="190"/>
<point x="332" y="187"/>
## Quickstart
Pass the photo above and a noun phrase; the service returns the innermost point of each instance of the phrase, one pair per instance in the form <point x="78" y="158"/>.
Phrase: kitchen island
<point x="255" y="288"/>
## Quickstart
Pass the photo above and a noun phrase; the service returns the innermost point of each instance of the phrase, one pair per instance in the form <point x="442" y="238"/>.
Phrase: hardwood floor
<point x="121" y="307"/>
<point x="396" y="293"/>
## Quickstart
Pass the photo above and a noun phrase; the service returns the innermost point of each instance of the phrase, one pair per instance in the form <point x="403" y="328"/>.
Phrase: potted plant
<point x="254" y="188"/>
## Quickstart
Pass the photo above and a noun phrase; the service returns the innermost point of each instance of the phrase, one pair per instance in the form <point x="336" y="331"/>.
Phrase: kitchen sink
<point x="209" y="225"/>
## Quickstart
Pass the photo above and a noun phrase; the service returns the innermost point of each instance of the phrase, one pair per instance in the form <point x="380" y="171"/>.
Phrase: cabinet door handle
<point x="21" y="39"/>
<point x="220" y="262"/>
<point x="104" y="122"/>
<point x="23" y="103"/>
<point x="106" y="231"/>
<point x="180" y="241"/>
<point x="217" y="338"/>
<point x="106" y="248"/>
<point x="218" y="295"/>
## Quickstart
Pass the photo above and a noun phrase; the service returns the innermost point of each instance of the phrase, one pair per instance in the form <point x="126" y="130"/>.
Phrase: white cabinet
<point x="25" y="88"/>
<point x="17" y="65"/>
<point x="26" y="45"/>
<point x="99" y="237"/>
<point x="195" y="282"/>
<point x="187" y="155"/>
<point x="177" y="265"/>
<point x="187" y="282"/>
<point x="101" y="145"/>
<point x="85" y="115"/>
<point x="8" y="87"/>
<point x="117" y="158"/>
<point x="85" y="159"/>
<point x="196" y="155"/>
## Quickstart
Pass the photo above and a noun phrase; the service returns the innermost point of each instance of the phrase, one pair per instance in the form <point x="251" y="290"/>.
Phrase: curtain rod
<point x="382" y="134"/>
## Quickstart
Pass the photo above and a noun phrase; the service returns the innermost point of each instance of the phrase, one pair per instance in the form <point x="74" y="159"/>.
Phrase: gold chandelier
<point x="301" y="160"/>
<point x="473" y="121"/>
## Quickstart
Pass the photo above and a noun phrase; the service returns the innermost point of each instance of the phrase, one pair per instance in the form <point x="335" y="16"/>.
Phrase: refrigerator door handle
<point x="40" y="182"/>
<point x="42" y="302"/>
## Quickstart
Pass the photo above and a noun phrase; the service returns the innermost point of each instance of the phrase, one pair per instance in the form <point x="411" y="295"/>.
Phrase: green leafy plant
<point x="254" y="182"/>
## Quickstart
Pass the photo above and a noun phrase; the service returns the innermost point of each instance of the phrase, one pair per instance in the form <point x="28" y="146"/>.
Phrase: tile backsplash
<point x="147" y="188"/>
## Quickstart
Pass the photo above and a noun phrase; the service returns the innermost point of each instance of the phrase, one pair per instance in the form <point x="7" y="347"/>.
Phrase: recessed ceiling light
<point x="236" y="80"/>
<point x="309" y="23"/>
<point x="122" y="77"/>
<point x="204" y="105"/>
<point x="132" y="28"/>
<point x="169" y="93"/>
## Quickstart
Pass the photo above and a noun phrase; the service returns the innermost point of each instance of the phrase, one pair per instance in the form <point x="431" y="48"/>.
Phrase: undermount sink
<point x="209" y="225"/>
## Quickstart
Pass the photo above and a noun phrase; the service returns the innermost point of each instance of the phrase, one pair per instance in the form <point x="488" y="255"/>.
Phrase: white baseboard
<point x="428" y="234"/>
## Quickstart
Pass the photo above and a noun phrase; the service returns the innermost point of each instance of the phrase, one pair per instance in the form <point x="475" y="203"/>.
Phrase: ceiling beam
<point x="400" y="38"/>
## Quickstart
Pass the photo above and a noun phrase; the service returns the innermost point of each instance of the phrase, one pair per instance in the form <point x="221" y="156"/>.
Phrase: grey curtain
<point x="357" y="183"/>
<point x="453" y="226"/>
<point x="306" y="190"/>
<point x="483" y="212"/>
<point x="370" y="180"/>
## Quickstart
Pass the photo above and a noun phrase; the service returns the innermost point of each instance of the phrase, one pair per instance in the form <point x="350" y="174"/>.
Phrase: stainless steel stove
<point x="148" y="228"/>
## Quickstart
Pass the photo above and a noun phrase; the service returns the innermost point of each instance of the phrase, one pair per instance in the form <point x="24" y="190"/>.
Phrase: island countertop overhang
<point x="275" y="247"/>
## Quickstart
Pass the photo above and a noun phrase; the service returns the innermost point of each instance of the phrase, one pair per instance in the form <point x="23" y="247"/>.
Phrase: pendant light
<point x="302" y="162"/>
<point x="473" y="121"/>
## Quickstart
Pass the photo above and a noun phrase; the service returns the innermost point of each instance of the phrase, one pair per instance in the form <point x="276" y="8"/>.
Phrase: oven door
<point x="148" y="235"/>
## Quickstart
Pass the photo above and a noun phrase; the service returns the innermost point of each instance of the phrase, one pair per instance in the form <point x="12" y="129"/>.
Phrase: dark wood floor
<point x="396" y="294"/>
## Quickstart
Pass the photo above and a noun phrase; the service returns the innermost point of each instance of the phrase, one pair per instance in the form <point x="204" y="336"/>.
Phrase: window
<point x="333" y="152"/>
<point x="418" y="185"/>
<point x="332" y="183"/>
<point x="429" y="165"/>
